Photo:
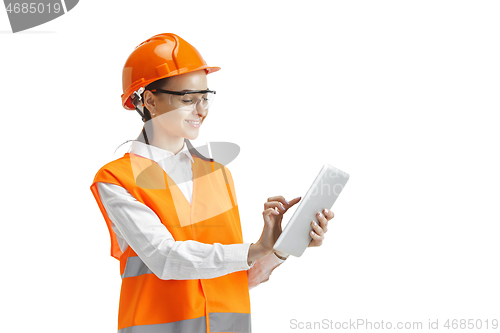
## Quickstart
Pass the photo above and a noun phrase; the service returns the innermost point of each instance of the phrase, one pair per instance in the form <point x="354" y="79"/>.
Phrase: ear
<point x="150" y="101"/>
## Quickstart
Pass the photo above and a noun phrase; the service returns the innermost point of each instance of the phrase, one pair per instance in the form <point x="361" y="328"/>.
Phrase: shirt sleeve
<point x="137" y="226"/>
<point x="262" y="269"/>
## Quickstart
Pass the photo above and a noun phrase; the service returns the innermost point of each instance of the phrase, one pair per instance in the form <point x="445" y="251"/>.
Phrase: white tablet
<point x="322" y="194"/>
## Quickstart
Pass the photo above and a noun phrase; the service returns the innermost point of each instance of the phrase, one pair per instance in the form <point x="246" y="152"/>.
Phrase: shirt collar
<point x="154" y="153"/>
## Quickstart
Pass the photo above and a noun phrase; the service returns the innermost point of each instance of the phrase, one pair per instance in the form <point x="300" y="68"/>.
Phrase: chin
<point x="191" y="137"/>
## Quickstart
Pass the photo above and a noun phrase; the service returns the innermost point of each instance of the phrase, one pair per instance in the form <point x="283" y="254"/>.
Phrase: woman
<point x="172" y="213"/>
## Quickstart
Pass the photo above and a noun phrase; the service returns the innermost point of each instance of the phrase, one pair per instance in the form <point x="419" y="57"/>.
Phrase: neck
<point x="161" y="140"/>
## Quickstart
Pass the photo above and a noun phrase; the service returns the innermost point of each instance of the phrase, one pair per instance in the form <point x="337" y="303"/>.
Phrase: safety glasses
<point x="188" y="100"/>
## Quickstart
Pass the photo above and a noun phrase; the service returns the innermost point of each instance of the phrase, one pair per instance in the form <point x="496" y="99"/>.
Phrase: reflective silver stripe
<point x="196" y="325"/>
<point x="229" y="322"/>
<point x="135" y="267"/>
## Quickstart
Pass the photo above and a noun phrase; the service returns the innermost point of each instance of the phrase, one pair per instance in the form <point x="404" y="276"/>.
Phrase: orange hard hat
<point x="160" y="56"/>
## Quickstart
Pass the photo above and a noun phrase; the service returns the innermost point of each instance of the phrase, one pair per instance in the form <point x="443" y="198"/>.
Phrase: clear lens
<point x="189" y="101"/>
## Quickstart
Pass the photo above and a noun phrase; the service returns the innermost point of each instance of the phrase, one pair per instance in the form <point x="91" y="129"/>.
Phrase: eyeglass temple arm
<point x="183" y="93"/>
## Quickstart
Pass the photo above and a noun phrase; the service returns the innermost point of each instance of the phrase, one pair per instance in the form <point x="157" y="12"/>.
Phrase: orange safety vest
<point x="149" y="304"/>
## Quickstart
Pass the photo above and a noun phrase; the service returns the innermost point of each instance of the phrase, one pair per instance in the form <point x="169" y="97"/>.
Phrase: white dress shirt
<point x="136" y="225"/>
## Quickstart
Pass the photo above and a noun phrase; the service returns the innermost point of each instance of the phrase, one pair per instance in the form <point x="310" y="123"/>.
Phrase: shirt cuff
<point x="236" y="257"/>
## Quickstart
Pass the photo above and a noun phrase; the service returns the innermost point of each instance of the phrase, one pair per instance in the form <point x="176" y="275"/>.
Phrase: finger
<point x="317" y="229"/>
<point x="293" y="202"/>
<point x="273" y="211"/>
<point x="323" y="222"/>
<point x="267" y="214"/>
<point x="275" y="204"/>
<point x="317" y="239"/>
<point x="279" y="198"/>
<point x="312" y="243"/>
<point x="328" y="214"/>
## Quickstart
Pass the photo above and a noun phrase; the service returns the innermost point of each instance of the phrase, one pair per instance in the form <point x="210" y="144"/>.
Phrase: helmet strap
<point x="145" y="136"/>
<point x="140" y="113"/>
<point x="143" y="128"/>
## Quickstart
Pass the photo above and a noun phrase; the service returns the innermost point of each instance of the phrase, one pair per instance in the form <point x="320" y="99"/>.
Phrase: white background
<point x="402" y="95"/>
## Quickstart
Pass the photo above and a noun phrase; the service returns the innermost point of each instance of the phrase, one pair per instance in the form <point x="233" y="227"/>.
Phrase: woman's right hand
<point x="273" y="212"/>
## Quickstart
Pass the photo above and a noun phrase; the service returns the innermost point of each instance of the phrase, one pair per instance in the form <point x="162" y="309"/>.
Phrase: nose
<point x="200" y="110"/>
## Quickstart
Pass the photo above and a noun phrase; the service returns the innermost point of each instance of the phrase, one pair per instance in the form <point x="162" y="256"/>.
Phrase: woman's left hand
<point x="318" y="230"/>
